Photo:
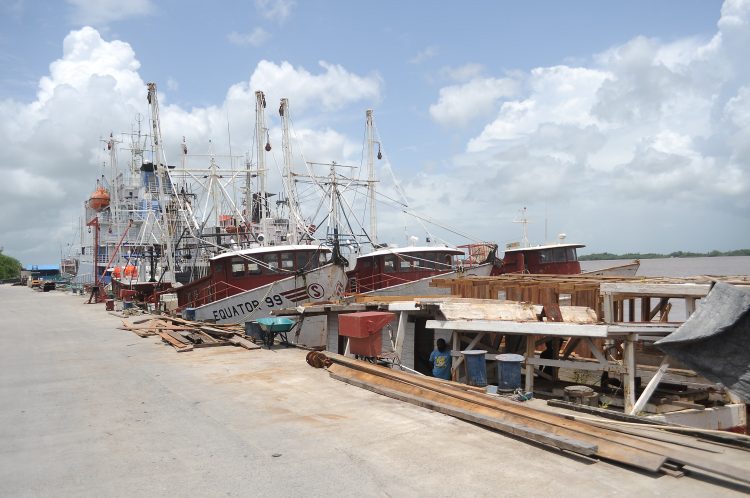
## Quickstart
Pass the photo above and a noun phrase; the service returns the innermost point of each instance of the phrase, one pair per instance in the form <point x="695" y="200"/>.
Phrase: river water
<point x="681" y="267"/>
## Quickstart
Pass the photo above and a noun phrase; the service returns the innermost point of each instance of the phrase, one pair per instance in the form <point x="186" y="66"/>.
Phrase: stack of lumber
<point x="185" y="335"/>
<point x="590" y="440"/>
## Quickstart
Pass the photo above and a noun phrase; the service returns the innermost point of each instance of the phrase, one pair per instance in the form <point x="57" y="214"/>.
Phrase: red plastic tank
<point x="127" y="294"/>
<point x="364" y="331"/>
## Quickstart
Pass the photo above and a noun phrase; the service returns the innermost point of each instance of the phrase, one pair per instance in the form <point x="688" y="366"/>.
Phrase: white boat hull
<point x="627" y="270"/>
<point x="322" y="284"/>
<point x="422" y="287"/>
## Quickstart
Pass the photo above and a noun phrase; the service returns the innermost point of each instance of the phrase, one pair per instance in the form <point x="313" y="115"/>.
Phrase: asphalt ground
<point x="90" y="410"/>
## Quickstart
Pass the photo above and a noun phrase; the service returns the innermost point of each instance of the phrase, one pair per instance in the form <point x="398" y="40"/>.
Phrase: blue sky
<point x="622" y="123"/>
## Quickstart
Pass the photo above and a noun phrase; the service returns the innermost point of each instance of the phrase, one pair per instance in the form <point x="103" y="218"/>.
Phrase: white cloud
<point x="103" y="12"/>
<point x="423" y="55"/>
<point x="172" y="85"/>
<point x="465" y="72"/>
<point x="648" y="126"/>
<point x="276" y="10"/>
<point x="50" y="149"/>
<point x="255" y="38"/>
<point x="331" y="89"/>
<point x="460" y="104"/>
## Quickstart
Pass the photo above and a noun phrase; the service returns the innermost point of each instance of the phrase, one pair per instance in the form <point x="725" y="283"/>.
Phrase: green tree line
<point x="9" y="267"/>
<point x="651" y="255"/>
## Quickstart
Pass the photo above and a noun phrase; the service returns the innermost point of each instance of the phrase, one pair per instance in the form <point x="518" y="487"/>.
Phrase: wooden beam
<point x="689" y="306"/>
<point x="595" y="350"/>
<point x="576" y="365"/>
<point x="653" y="289"/>
<point x="530" y="353"/>
<point x="476" y="414"/>
<point x="400" y="334"/>
<point x="629" y="376"/>
<point x="179" y="346"/>
<point x="650" y="388"/>
<point x="508" y="327"/>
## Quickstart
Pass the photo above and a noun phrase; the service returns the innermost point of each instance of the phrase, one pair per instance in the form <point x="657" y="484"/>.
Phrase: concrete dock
<point x="90" y="410"/>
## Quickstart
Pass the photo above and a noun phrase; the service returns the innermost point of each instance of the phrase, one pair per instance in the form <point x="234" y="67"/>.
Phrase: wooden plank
<point x="371" y="383"/>
<point x="179" y="346"/>
<point x="508" y="327"/>
<point x="224" y="334"/>
<point x="243" y="343"/>
<point x="611" y="445"/>
<point x="650" y="387"/>
<point x="363" y="298"/>
<point x="493" y="310"/>
<point x="576" y="365"/>
<point x="628" y="358"/>
<point x="529" y="373"/>
<point x="596" y="351"/>
<point x="654" y="289"/>
<point x="398" y="347"/>
<point x="178" y="337"/>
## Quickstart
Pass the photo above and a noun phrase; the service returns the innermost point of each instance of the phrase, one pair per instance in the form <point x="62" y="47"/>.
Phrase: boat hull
<point x="627" y="270"/>
<point x="322" y="284"/>
<point x="422" y="287"/>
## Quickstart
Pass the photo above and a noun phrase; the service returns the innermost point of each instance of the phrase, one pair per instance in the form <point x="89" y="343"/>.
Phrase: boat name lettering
<point x="242" y="309"/>
<point x="273" y="301"/>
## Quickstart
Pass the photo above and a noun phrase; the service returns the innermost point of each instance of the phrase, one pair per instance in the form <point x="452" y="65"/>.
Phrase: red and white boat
<point x="247" y="284"/>
<point x="408" y="271"/>
<point x="552" y="259"/>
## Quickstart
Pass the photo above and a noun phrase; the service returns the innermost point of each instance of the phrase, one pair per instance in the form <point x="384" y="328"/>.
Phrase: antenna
<point x="524" y="221"/>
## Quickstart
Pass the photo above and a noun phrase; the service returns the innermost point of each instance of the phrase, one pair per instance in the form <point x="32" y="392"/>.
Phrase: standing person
<point x="441" y="361"/>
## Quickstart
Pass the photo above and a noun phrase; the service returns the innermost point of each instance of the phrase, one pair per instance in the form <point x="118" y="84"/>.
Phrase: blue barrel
<point x="252" y="329"/>
<point x="126" y="305"/>
<point x="188" y="314"/>
<point x="509" y="371"/>
<point x="476" y="368"/>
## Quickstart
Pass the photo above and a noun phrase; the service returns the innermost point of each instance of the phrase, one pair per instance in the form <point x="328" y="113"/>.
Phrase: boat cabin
<point x="559" y="259"/>
<point x="233" y="272"/>
<point x="393" y="266"/>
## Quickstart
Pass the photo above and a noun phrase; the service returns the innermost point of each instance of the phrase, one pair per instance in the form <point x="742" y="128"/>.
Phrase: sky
<point x="624" y="125"/>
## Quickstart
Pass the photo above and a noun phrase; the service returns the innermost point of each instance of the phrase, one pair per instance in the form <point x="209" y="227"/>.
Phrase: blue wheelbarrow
<point x="273" y="327"/>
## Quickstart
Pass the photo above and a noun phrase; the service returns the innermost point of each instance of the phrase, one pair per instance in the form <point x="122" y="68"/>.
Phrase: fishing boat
<point x="274" y="261"/>
<point x="137" y="221"/>
<point x="406" y="271"/>
<point x="560" y="258"/>
<point x="254" y="282"/>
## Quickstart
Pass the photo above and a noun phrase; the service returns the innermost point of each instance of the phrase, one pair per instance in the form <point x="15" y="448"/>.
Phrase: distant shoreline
<point x="650" y="255"/>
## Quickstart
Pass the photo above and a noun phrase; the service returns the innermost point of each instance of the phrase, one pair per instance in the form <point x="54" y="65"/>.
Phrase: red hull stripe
<point x="295" y="294"/>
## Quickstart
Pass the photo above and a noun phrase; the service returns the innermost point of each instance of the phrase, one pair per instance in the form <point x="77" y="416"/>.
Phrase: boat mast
<point x="162" y="173"/>
<point x="261" y="134"/>
<point x="289" y="170"/>
<point x="114" y="205"/>
<point x="524" y="221"/>
<point x="371" y="177"/>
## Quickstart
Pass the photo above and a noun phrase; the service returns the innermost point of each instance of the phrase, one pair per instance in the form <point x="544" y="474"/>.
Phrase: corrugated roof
<point x="42" y="267"/>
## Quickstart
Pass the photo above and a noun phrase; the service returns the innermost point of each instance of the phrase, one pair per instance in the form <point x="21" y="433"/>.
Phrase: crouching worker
<point x="441" y="361"/>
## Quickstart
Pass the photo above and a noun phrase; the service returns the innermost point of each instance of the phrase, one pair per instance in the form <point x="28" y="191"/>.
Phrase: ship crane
<point x="161" y="170"/>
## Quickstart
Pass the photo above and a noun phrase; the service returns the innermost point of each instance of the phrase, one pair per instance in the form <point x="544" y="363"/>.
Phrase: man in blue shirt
<point x="441" y="361"/>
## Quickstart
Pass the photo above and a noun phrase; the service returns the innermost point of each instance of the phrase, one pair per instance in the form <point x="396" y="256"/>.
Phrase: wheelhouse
<point x="559" y="259"/>
<point x="393" y="266"/>
<point x="237" y="271"/>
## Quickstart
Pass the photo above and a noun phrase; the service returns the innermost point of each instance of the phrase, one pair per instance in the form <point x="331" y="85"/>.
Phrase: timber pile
<point x="587" y="439"/>
<point x="584" y="290"/>
<point x="185" y="335"/>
